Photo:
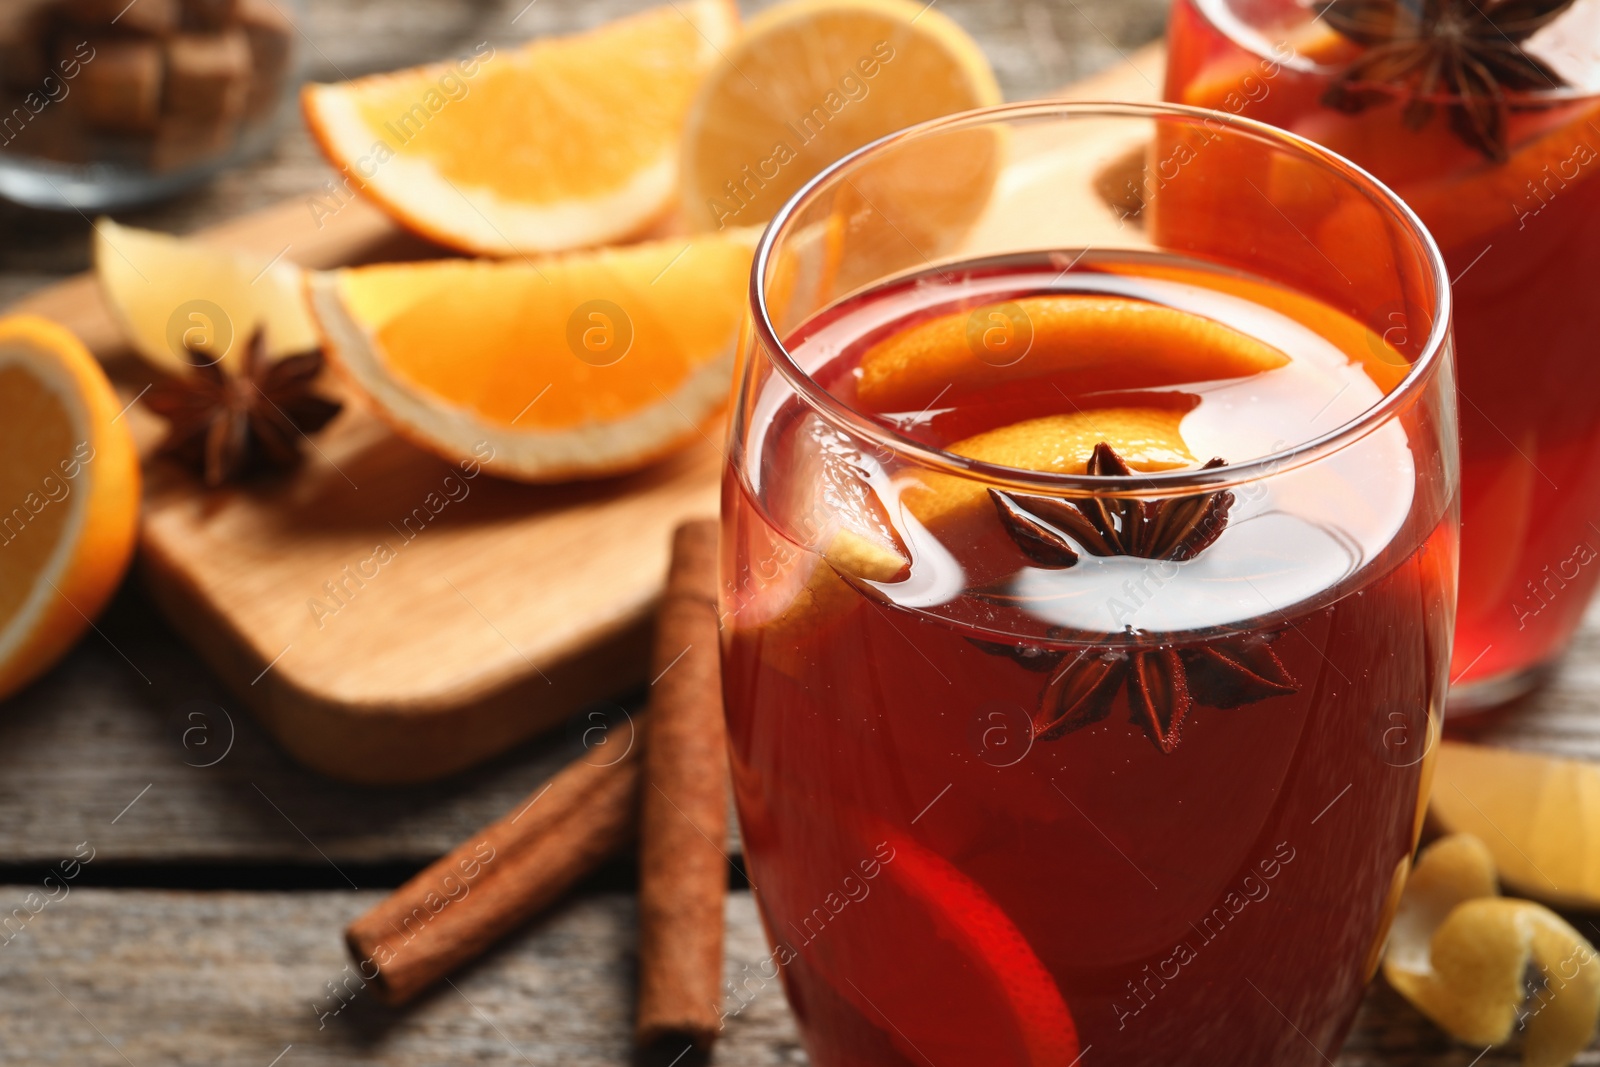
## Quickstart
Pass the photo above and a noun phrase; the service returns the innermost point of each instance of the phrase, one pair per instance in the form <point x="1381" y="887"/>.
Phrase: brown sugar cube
<point x="210" y="14"/>
<point x="119" y="90"/>
<point x="181" y="142"/>
<point x="208" y="75"/>
<point x="133" y="16"/>
<point x="271" y="36"/>
<point x="24" y="27"/>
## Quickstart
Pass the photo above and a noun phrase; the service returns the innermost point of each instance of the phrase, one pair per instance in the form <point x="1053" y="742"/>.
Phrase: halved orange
<point x="811" y="80"/>
<point x="557" y="144"/>
<point x="570" y="366"/>
<point x="69" y="495"/>
<point x="1088" y="343"/>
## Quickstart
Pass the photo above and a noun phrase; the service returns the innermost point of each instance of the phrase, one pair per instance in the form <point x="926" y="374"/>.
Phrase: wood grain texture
<point x="110" y="978"/>
<point x="233" y="979"/>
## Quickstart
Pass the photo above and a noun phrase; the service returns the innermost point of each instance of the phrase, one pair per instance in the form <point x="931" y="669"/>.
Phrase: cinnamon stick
<point x="683" y="813"/>
<point x="502" y="876"/>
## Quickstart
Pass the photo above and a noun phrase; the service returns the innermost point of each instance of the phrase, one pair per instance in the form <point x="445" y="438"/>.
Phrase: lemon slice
<point x="1540" y="817"/>
<point x="171" y="292"/>
<point x="808" y="82"/>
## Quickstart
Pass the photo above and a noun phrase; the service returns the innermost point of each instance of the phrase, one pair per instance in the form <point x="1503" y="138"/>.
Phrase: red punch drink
<point x="1501" y="163"/>
<point x="1086" y="620"/>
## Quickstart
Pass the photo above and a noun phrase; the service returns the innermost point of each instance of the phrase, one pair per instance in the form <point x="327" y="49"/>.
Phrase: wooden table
<point x="206" y="928"/>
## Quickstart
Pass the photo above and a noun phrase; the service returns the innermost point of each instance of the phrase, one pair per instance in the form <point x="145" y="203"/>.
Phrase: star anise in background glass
<point x="226" y="424"/>
<point x="1163" y="684"/>
<point x="1468" y="51"/>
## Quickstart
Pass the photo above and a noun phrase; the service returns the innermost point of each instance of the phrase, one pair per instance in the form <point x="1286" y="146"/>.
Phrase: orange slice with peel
<point x="1461" y="954"/>
<point x="808" y="82"/>
<point x="1539" y="816"/>
<point x="1147" y="439"/>
<point x="1088" y="343"/>
<point x="580" y="365"/>
<point x="69" y="495"/>
<point x="1373" y="350"/>
<point x="557" y="144"/>
<point x="965" y="987"/>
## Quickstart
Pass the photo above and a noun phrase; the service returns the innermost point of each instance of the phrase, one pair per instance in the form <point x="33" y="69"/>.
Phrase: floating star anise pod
<point x="1466" y="51"/>
<point x="226" y="424"/>
<point x="1162" y="684"/>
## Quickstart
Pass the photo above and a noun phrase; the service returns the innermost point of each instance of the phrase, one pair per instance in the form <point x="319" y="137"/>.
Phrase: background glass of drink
<point x="1034" y="760"/>
<point x="1521" y="236"/>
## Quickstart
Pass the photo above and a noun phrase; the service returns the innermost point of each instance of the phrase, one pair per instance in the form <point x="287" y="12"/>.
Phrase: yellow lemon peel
<point x="1460" y="954"/>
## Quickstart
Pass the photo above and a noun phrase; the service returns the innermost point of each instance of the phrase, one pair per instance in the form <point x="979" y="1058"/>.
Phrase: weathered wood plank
<point x="113" y="977"/>
<point x="131" y="708"/>
<point x="217" y="979"/>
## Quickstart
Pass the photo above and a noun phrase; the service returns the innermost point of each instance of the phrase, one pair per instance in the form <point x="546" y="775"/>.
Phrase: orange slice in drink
<point x="1147" y="439"/>
<point x="840" y="529"/>
<point x="1381" y="360"/>
<point x="1087" y="343"/>
<point x="962" y="985"/>
<point x="553" y="145"/>
<point x="69" y="487"/>
<point x="582" y="365"/>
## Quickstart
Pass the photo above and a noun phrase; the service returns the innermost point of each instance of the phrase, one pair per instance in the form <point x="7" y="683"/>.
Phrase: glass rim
<point x="1208" y="9"/>
<point x="829" y="406"/>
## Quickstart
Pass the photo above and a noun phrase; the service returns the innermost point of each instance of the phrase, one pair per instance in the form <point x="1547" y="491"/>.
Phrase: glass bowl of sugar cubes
<point x="106" y="104"/>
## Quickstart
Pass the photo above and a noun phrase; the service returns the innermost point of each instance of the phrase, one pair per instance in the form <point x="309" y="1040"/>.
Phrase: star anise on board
<point x="1468" y="52"/>
<point x="228" y="424"/>
<point x="1163" y="684"/>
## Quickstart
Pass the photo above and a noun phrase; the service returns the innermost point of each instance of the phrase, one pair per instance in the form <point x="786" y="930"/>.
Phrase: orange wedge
<point x="557" y="144"/>
<point x="1090" y="343"/>
<point x="811" y="80"/>
<point x="69" y="495"/>
<point x="572" y="366"/>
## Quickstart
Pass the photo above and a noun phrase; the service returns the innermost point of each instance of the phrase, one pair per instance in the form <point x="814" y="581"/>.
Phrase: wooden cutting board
<point x="503" y="609"/>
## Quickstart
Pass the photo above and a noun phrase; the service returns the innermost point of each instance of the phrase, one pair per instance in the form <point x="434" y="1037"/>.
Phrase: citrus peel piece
<point x="1461" y="954"/>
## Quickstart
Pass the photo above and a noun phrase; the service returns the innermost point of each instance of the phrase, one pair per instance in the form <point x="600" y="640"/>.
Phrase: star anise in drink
<point x="1162" y="684"/>
<point x="228" y="424"/>
<point x="1466" y="54"/>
